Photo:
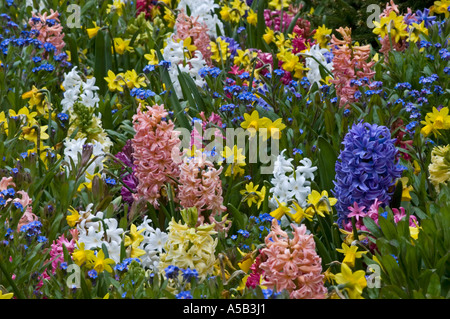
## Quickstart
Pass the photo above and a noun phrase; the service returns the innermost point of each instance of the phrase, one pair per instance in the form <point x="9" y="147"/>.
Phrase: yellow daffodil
<point x="25" y="113"/>
<point x="416" y="167"/>
<point x="278" y="4"/>
<point x="417" y="30"/>
<point x="236" y="159"/>
<point x="81" y="255"/>
<point x="134" y="236"/>
<point x="322" y="36"/>
<point x="406" y="197"/>
<point x="441" y="7"/>
<point x="269" y="35"/>
<point x="280" y="211"/>
<point x="36" y="99"/>
<point x="252" y="122"/>
<point x="133" y="80"/>
<point x="115" y="82"/>
<point x="354" y="282"/>
<point x="350" y="253"/>
<point x="187" y="43"/>
<point x="73" y="218"/>
<point x="349" y="236"/>
<point x="30" y="133"/>
<point x="252" y="195"/>
<point x="116" y="6"/>
<point x="3" y="122"/>
<point x="273" y="128"/>
<point x="6" y="296"/>
<point x="152" y="57"/>
<point x="219" y="50"/>
<point x="92" y="32"/>
<point x="133" y="240"/>
<point x="88" y="183"/>
<point x="241" y="58"/>
<point x="99" y="263"/>
<point x="252" y="17"/>
<point x="122" y="45"/>
<point x="435" y="121"/>
<point x="321" y="202"/>
<point x="246" y="261"/>
<point x="169" y="17"/>
<point x="300" y="213"/>
<point x="225" y="13"/>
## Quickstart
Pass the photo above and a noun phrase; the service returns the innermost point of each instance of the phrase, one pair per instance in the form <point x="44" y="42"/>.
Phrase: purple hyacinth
<point x="126" y="156"/>
<point x="366" y="169"/>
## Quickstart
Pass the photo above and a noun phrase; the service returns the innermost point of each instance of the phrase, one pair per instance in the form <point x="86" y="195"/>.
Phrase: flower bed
<point x="223" y="150"/>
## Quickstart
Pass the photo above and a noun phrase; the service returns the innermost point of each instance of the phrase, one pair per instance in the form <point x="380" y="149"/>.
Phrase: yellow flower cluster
<point x="190" y="247"/>
<point x="435" y="121"/>
<point x="253" y="123"/>
<point x="440" y="166"/>
<point x="131" y="79"/>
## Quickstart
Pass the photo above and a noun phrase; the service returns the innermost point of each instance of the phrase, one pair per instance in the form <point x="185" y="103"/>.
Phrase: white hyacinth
<point x="153" y="245"/>
<point x="75" y="89"/>
<point x="174" y="53"/>
<point x="314" y="58"/>
<point x="73" y="147"/>
<point x="94" y="234"/>
<point x="291" y="183"/>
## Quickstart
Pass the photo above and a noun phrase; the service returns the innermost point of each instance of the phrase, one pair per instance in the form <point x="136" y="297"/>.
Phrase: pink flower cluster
<point x="302" y="36"/>
<point x="273" y="19"/>
<point x="50" y="29"/>
<point x="200" y="186"/>
<point x="186" y="27"/>
<point x="254" y="278"/>
<point x="155" y="149"/>
<point x="57" y="251"/>
<point x="293" y="264"/>
<point x="197" y="138"/>
<point x="25" y="201"/>
<point x="360" y="212"/>
<point x="349" y="63"/>
<point x="145" y="6"/>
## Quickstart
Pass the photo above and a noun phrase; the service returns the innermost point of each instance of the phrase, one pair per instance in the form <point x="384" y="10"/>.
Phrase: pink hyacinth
<point x="48" y="32"/>
<point x="200" y="186"/>
<point x="155" y="151"/>
<point x="349" y="63"/>
<point x="57" y="251"/>
<point x="186" y="27"/>
<point x="293" y="264"/>
<point x="6" y="182"/>
<point x="254" y="278"/>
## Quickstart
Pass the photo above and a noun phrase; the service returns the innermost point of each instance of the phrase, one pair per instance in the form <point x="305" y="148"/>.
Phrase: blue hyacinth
<point x="366" y="168"/>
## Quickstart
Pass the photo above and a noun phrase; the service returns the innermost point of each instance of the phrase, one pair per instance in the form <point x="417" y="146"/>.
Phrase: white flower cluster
<point x="153" y="245"/>
<point x="78" y="90"/>
<point x="204" y="10"/>
<point x="174" y="53"/>
<point x="73" y="147"/>
<point x="291" y="183"/>
<point x="93" y="233"/>
<point x="313" y="62"/>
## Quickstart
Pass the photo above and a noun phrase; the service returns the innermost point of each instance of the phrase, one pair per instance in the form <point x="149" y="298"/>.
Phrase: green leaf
<point x="434" y="287"/>
<point x="326" y="165"/>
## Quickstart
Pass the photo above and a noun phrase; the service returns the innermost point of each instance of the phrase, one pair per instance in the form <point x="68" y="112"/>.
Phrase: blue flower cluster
<point x="366" y="168"/>
<point x="142" y="94"/>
